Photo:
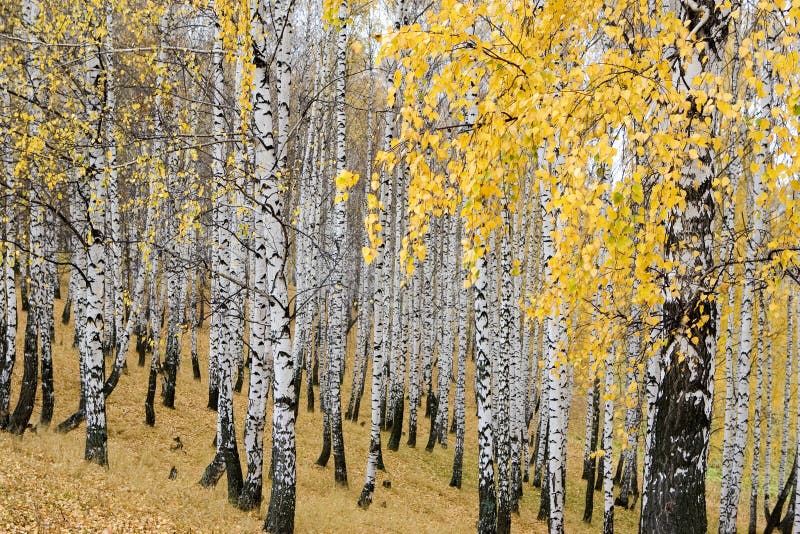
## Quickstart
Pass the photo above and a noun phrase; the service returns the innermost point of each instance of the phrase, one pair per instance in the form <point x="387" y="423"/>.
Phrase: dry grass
<point x="45" y="486"/>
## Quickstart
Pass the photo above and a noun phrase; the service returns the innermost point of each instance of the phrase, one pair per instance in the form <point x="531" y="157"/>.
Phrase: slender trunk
<point x="450" y="254"/>
<point x="459" y="403"/>
<point x="504" y="369"/>
<point x="629" y="486"/>
<point x="557" y="399"/>
<point x="768" y="431"/>
<point x="608" y="438"/>
<point x="592" y="461"/>
<point x="261" y="350"/>
<point x="544" y="497"/>
<point x="755" y="465"/>
<point x="18" y="421"/>
<point x="796" y="470"/>
<point x="380" y="301"/>
<point x="415" y="349"/>
<point x="487" y="500"/>
<point x="792" y="347"/>
<point x="337" y="328"/>
<point x="96" y="433"/>
<point x="47" y="320"/>
<point x="774" y="515"/>
<point x="591" y="395"/>
<point x="732" y="479"/>
<point x="226" y="457"/>
<point x="194" y="296"/>
<point x="9" y="339"/>
<point x="460" y="413"/>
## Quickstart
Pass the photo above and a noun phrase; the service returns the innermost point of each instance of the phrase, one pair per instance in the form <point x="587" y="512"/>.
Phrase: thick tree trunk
<point x="680" y="386"/>
<point x="96" y="433"/>
<point x="32" y="303"/>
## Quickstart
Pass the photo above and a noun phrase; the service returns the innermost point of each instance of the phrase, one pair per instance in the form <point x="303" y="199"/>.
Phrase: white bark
<point x="505" y="370"/>
<point x="758" y="420"/>
<point x="556" y="400"/>
<point x="486" y="484"/>
<point x="796" y="521"/>
<point x="9" y="292"/>
<point x="732" y="479"/>
<point x="380" y="303"/>
<point x="280" y="517"/>
<point x="114" y="248"/>
<point x="608" y="440"/>
<point x="338" y="309"/>
<point x="450" y="256"/>
<point x="769" y="421"/>
<point x="96" y="434"/>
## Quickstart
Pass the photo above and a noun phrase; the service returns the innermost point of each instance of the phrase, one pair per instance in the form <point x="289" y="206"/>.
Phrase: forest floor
<point x="45" y="486"/>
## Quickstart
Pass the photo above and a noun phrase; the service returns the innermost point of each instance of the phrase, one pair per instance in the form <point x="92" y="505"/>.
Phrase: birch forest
<point x="400" y="266"/>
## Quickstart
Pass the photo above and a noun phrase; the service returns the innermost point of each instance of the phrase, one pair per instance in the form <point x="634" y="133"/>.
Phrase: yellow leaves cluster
<point x="345" y="181"/>
<point x="547" y="110"/>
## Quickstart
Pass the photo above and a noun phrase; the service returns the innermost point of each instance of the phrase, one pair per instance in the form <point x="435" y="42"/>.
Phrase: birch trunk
<point x="280" y="515"/>
<point x="608" y="438"/>
<point x="19" y="418"/>
<point x="450" y="255"/>
<point x="380" y="300"/>
<point x="9" y="341"/>
<point x="796" y="518"/>
<point x="758" y="420"/>
<point x="459" y="403"/>
<point x="792" y="347"/>
<point x="768" y="432"/>
<point x="505" y="375"/>
<point x="681" y="383"/>
<point x="633" y="409"/>
<point x="487" y="500"/>
<point x="732" y="479"/>
<point x="557" y="403"/>
<point x="96" y="433"/>
<point x="337" y="329"/>
<point x="226" y="457"/>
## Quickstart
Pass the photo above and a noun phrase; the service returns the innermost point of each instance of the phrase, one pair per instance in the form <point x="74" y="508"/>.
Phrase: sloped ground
<point x="45" y="486"/>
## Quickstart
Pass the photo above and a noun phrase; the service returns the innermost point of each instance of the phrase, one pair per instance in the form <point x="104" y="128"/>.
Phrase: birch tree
<point x="673" y="494"/>
<point x="338" y="309"/>
<point x="96" y="433"/>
